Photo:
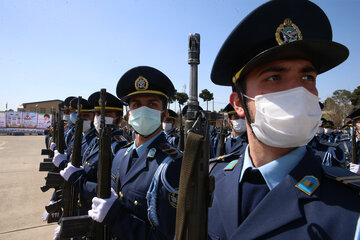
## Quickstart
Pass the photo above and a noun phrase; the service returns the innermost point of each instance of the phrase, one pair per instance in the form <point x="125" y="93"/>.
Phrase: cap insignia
<point x="100" y="102"/>
<point x="287" y="32"/>
<point x="141" y="83"/>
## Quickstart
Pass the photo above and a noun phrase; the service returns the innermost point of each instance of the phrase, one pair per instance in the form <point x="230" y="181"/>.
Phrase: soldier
<point x="146" y="173"/>
<point x="236" y="141"/>
<point x="278" y="189"/>
<point x="70" y="118"/>
<point x="169" y="128"/>
<point x="214" y="135"/>
<point x="84" y="179"/>
<point x="354" y="165"/>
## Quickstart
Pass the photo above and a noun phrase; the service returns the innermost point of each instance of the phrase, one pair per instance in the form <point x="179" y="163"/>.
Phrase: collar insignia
<point x="308" y="184"/>
<point x="141" y="83"/>
<point x="151" y="153"/>
<point x="231" y="165"/>
<point x="287" y="32"/>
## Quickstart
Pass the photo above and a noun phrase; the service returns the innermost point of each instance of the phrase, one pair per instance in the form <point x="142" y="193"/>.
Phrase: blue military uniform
<point x="214" y="141"/>
<point x="294" y="196"/>
<point x="128" y="217"/>
<point x="172" y="137"/>
<point x="237" y="144"/>
<point x="286" y="212"/>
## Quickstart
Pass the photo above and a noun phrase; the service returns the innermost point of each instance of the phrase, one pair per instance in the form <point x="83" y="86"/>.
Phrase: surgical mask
<point x="287" y="118"/>
<point x="320" y="131"/>
<point x="97" y="122"/>
<point x="238" y="125"/>
<point x="66" y="117"/>
<point x="86" y="126"/>
<point x="73" y="117"/>
<point x="145" y="120"/>
<point x="167" y="126"/>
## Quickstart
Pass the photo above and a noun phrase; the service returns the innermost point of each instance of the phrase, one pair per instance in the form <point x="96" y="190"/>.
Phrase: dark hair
<point x="47" y="115"/>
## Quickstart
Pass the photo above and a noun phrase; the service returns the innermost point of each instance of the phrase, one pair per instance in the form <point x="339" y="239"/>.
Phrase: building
<point x="48" y="106"/>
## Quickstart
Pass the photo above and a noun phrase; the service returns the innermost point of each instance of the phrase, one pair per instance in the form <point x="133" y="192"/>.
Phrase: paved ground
<point x="21" y="200"/>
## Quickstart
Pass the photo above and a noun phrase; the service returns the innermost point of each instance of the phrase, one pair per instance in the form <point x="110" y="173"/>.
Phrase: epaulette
<point x="342" y="175"/>
<point x="127" y="145"/>
<point x="168" y="149"/>
<point x="227" y="157"/>
<point x="120" y="138"/>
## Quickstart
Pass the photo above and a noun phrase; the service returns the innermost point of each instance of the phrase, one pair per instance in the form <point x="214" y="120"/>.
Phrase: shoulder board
<point x="127" y="145"/>
<point x="119" y="138"/>
<point x="227" y="157"/>
<point x="342" y="175"/>
<point x="169" y="150"/>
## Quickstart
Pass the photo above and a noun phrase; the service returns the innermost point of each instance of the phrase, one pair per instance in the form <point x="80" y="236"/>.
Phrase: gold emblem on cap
<point x="100" y="102"/>
<point x="287" y="32"/>
<point x="141" y="83"/>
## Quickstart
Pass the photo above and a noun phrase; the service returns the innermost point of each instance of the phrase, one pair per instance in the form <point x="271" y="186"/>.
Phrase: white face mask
<point x="238" y="125"/>
<point x="66" y="117"/>
<point x="73" y="117"/>
<point x="97" y="122"/>
<point x="145" y="120"/>
<point x="166" y="126"/>
<point x="287" y="118"/>
<point x="86" y="125"/>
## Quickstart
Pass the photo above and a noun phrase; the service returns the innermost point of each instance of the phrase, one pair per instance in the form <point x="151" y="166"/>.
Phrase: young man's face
<point x="148" y="100"/>
<point x="277" y="76"/>
<point x="87" y="116"/>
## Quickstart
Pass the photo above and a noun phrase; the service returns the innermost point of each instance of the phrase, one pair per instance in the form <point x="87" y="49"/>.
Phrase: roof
<point x="43" y="101"/>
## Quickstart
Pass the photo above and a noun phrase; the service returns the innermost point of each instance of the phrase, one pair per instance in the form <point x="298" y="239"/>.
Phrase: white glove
<point x="58" y="158"/>
<point x="355" y="168"/>
<point x="45" y="215"/>
<point x="57" y="233"/>
<point x="68" y="171"/>
<point x="100" y="207"/>
<point x="52" y="146"/>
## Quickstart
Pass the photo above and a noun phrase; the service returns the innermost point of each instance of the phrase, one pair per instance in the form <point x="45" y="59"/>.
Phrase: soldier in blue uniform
<point x="70" y="118"/>
<point x="84" y="179"/>
<point x="145" y="173"/>
<point x="355" y="117"/>
<point x="169" y="128"/>
<point x="214" y="135"/>
<point x="236" y="141"/>
<point x="278" y="189"/>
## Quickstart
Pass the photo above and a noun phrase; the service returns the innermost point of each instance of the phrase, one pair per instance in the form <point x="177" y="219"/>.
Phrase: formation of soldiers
<point x="280" y="171"/>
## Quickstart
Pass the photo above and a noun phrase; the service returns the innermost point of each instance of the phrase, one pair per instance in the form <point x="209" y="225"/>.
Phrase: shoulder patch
<point x="342" y="175"/>
<point x="169" y="150"/>
<point x="151" y="153"/>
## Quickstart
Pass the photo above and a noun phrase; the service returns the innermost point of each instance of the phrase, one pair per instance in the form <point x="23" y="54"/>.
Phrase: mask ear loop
<point x="243" y="103"/>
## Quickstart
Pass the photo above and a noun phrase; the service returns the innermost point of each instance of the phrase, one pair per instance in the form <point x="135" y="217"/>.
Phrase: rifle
<point x="221" y="147"/>
<point x="104" y="167"/>
<point x="181" y="133"/>
<point x="195" y="186"/>
<point x="354" y="157"/>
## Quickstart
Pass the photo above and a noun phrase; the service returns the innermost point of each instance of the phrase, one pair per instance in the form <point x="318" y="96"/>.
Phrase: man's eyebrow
<point x="308" y="69"/>
<point x="273" y="69"/>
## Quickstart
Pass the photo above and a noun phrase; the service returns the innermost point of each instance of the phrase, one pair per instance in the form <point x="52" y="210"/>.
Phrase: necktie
<point x="133" y="158"/>
<point x="252" y="190"/>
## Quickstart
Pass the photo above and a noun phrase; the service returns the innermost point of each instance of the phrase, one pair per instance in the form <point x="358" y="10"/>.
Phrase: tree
<point x="355" y="97"/>
<point x="342" y="99"/>
<point x="206" y="96"/>
<point x="181" y="97"/>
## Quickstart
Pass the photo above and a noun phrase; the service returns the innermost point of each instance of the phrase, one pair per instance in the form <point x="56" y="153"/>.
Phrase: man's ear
<point x="128" y="113"/>
<point x="235" y="102"/>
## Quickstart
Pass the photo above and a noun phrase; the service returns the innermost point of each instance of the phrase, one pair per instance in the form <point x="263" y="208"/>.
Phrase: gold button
<point x="121" y="194"/>
<point x="93" y="167"/>
<point x="136" y="202"/>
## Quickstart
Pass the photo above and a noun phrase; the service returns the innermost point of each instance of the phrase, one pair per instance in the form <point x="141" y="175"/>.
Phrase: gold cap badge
<point x="141" y="83"/>
<point x="287" y="32"/>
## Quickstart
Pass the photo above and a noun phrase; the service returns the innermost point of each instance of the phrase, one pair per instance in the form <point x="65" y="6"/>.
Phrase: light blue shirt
<point x="143" y="147"/>
<point x="275" y="171"/>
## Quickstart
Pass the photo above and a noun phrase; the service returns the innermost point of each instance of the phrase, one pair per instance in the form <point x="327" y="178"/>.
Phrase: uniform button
<point x="121" y="194"/>
<point x="79" y="203"/>
<point x="136" y="202"/>
<point x="93" y="167"/>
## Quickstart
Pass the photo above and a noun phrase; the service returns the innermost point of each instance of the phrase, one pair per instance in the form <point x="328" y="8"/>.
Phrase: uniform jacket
<point x="331" y="212"/>
<point x="172" y="137"/>
<point x="127" y="217"/>
<point x="237" y="145"/>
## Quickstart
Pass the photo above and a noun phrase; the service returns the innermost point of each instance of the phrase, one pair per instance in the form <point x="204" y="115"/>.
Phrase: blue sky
<point x="55" y="49"/>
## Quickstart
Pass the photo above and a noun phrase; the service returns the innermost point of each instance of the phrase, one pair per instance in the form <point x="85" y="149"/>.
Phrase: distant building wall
<point x="42" y="107"/>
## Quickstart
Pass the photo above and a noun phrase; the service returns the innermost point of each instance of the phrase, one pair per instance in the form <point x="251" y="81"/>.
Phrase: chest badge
<point x="308" y="184"/>
<point x="231" y="165"/>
